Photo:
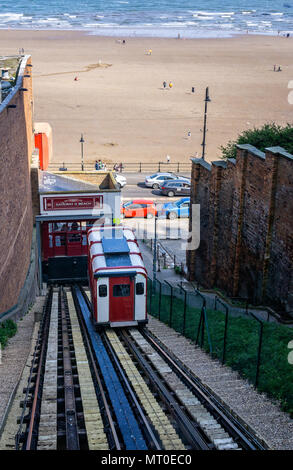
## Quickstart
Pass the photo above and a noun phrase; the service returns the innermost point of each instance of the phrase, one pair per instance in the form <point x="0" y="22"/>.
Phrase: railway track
<point x="223" y="429"/>
<point x="115" y="389"/>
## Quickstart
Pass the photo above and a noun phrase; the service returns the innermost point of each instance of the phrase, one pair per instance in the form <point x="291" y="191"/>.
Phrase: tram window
<point x="103" y="290"/>
<point x="74" y="238"/>
<point x="59" y="227"/>
<point x="60" y="240"/>
<point x="139" y="288"/>
<point x="74" y="226"/>
<point x="84" y="240"/>
<point x="121" y="290"/>
<point x="83" y="225"/>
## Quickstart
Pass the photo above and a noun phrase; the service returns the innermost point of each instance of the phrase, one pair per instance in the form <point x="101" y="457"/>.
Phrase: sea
<point x="151" y="18"/>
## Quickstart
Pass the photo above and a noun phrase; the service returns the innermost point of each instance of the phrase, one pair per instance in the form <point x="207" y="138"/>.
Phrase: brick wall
<point x="16" y="144"/>
<point x="246" y="246"/>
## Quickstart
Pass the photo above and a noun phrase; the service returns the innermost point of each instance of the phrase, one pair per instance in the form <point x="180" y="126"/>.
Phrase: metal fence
<point x="128" y="167"/>
<point x="211" y="324"/>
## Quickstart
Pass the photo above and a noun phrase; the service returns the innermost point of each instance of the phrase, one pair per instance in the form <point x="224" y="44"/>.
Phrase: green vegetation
<point x="178" y="269"/>
<point x="7" y="329"/>
<point x="269" y="135"/>
<point x="275" y="375"/>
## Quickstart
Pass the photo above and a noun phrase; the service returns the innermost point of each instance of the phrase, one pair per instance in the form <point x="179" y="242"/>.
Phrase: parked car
<point x="154" y="181"/>
<point x="139" y="208"/>
<point x="176" y="187"/>
<point x="172" y="210"/>
<point x="121" y="180"/>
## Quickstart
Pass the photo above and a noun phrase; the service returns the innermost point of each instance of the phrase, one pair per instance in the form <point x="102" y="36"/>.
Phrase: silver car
<point x="154" y="181"/>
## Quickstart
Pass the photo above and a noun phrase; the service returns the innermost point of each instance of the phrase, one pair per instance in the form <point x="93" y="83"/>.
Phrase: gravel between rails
<point x="261" y="414"/>
<point x="14" y="358"/>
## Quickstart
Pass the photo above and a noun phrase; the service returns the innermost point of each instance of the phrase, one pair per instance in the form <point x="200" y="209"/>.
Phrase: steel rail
<point x="85" y="335"/>
<point x="246" y="439"/>
<point x="147" y="428"/>
<point x="30" y="442"/>
<point x="71" y="423"/>
<point x="189" y="429"/>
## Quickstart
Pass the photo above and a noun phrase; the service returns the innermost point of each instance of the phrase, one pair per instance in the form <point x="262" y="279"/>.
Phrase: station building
<point x="67" y="208"/>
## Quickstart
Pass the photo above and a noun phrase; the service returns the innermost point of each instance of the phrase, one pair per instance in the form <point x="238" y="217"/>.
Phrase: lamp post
<point x="81" y="143"/>
<point x="207" y="100"/>
<point x="155" y="255"/>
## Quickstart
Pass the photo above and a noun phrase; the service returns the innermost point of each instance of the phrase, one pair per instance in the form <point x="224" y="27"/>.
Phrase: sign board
<point x="71" y="203"/>
<point x="106" y="203"/>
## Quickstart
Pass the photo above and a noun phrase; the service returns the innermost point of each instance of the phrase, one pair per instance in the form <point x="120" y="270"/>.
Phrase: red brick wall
<point x="246" y="244"/>
<point x="16" y="142"/>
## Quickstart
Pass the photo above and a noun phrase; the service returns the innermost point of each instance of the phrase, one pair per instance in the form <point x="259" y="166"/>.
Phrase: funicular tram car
<point x="117" y="277"/>
<point x="64" y="247"/>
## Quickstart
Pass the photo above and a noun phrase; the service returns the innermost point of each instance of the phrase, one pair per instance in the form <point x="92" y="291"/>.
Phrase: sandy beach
<point x="118" y="101"/>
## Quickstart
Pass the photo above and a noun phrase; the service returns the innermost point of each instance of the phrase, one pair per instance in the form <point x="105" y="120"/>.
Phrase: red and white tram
<point x="117" y="276"/>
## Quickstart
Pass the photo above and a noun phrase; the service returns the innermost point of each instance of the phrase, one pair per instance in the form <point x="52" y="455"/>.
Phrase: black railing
<point x="127" y="167"/>
<point x="213" y="325"/>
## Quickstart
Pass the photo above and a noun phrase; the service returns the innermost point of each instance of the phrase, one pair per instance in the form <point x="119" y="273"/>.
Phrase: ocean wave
<point x="10" y="17"/>
<point x="212" y="13"/>
<point x="150" y="17"/>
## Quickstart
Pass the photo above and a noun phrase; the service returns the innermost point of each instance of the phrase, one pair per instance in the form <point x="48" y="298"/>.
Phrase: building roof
<point x="52" y="183"/>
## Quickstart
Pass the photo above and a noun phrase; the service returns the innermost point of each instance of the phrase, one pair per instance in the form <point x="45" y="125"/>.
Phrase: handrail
<point x="135" y="167"/>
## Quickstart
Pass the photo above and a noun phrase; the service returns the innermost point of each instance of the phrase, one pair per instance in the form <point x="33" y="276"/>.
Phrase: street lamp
<point x="155" y="255"/>
<point x="207" y="100"/>
<point x="81" y="143"/>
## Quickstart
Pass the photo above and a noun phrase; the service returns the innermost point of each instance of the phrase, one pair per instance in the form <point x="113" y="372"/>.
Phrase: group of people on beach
<point x="118" y="167"/>
<point x="277" y="68"/>
<point x="99" y="165"/>
<point x="165" y="84"/>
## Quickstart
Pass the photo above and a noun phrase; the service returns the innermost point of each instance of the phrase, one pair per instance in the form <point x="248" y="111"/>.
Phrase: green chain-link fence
<point x="257" y="349"/>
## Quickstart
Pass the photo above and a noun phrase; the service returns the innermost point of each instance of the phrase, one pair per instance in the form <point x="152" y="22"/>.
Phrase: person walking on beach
<point x="168" y="158"/>
<point x="170" y="84"/>
<point x="97" y="165"/>
<point x="188" y="134"/>
<point x="164" y="85"/>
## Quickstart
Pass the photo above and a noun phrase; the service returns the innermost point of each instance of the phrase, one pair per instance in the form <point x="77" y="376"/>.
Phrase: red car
<point x="139" y="208"/>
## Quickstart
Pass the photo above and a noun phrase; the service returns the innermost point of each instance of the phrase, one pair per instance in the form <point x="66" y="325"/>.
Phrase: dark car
<point x="176" y="188"/>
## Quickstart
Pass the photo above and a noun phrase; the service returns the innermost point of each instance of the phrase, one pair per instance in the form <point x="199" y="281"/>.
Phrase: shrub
<point x="7" y="329"/>
<point x="269" y="135"/>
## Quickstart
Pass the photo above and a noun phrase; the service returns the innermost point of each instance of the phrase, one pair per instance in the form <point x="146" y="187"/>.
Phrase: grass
<point x="7" y="329"/>
<point x="275" y="374"/>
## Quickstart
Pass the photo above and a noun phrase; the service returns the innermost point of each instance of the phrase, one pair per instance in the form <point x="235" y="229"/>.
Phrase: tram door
<point x="73" y="239"/>
<point x="121" y="299"/>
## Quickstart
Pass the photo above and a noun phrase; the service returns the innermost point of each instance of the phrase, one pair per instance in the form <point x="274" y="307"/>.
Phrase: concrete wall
<point x="246" y="244"/>
<point x="16" y="145"/>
